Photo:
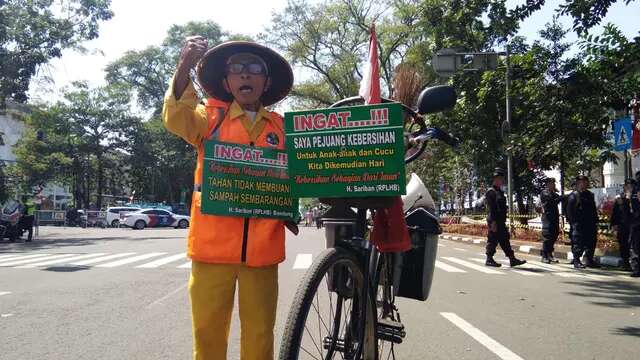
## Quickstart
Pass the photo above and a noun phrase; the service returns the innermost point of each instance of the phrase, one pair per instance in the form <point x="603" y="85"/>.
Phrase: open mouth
<point x="245" y="89"/>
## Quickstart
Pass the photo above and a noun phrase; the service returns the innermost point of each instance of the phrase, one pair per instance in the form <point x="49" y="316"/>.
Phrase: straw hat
<point x="211" y="70"/>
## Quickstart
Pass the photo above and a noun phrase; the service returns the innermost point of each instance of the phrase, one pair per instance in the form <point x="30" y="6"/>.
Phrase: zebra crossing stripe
<point x="448" y="268"/>
<point x="130" y="260"/>
<point x="58" y="261"/>
<point x="101" y="259"/>
<point x="473" y="266"/>
<point x="20" y="257"/>
<point x="186" y="265"/>
<point x="521" y="270"/>
<point x="162" y="261"/>
<point x="23" y="261"/>
<point x="5" y="256"/>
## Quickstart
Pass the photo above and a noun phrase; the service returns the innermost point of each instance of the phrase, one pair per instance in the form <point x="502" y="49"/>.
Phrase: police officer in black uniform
<point x="496" y="220"/>
<point x="550" y="199"/>
<point x="620" y="221"/>
<point x="583" y="215"/>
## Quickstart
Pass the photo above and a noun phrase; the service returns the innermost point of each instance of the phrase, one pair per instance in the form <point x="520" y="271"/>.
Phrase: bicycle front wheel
<point x="327" y="318"/>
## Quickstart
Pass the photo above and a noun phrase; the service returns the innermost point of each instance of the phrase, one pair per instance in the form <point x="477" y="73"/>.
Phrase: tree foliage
<point x="34" y="32"/>
<point x="83" y="143"/>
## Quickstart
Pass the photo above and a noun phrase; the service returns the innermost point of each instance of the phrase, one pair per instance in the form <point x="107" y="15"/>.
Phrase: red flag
<point x="370" y="84"/>
<point x="635" y="121"/>
<point x="390" y="232"/>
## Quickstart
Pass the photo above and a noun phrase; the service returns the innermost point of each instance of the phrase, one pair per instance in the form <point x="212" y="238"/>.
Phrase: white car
<point x="113" y="214"/>
<point x="155" y="218"/>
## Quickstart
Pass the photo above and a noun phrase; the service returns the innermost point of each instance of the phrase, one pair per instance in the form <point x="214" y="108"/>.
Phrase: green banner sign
<point x="246" y="181"/>
<point x="346" y="152"/>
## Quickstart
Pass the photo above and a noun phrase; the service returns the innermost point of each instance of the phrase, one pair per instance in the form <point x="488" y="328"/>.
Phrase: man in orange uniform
<point x="240" y="78"/>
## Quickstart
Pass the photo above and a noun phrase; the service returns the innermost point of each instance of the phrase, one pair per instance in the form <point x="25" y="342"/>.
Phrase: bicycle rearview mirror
<point x="436" y="99"/>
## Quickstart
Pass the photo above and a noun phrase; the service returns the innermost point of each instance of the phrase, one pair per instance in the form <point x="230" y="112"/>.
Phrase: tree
<point x="34" y="32"/>
<point x="83" y="139"/>
<point x="585" y="13"/>
<point x="331" y="40"/>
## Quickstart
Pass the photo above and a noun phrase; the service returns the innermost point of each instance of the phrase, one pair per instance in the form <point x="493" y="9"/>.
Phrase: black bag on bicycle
<point x="413" y="269"/>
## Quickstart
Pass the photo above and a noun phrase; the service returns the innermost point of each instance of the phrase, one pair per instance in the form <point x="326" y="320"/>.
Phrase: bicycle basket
<point x="413" y="269"/>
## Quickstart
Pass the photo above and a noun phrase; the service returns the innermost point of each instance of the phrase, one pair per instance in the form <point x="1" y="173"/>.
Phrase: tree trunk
<point x="100" y="182"/>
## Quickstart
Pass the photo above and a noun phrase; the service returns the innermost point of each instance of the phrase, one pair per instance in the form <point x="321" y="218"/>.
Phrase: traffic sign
<point x="622" y="132"/>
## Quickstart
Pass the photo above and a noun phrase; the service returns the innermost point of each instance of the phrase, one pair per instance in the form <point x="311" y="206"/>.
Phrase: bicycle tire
<point x="296" y="320"/>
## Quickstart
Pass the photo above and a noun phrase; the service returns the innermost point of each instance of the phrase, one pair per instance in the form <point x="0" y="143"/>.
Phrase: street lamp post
<point x="508" y="120"/>
<point x="447" y="61"/>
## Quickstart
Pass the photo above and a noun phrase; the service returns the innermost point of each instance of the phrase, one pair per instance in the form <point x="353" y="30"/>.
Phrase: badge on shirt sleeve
<point x="273" y="139"/>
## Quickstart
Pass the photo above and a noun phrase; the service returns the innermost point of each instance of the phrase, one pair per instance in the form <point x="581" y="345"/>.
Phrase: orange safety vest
<point x="229" y="239"/>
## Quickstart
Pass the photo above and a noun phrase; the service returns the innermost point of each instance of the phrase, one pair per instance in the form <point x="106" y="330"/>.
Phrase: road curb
<point x="535" y="249"/>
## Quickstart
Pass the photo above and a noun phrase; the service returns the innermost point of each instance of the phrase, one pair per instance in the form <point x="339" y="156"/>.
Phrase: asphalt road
<point x="124" y="297"/>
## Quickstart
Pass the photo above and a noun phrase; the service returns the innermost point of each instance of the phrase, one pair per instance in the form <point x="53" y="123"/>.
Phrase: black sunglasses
<point x="251" y="68"/>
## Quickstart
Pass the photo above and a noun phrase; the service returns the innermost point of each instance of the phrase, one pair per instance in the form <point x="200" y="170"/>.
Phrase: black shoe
<point x="516" y="262"/>
<point x="491" y="262"/>
<point x="635" y="274"/>
<point x="592" y="264"/>
<point x="577" y="264"/>
<point x="546" y="260"/>
<point x="553" y="260"/>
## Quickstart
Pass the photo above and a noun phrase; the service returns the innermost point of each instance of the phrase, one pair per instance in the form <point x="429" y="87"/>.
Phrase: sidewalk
<point x="561" y="251"/>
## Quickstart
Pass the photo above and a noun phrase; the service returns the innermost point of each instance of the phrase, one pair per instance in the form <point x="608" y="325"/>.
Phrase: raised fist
<point x="192" y="51"/>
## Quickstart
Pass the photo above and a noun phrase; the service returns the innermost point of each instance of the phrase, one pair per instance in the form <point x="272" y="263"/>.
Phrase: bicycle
<point x="348" y="294"/>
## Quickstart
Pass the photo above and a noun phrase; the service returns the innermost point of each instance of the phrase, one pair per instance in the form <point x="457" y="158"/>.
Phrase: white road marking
<point x="101" y="259"/>
<point x="186" y="265"/>
<point x="51" y="257"/>
<point x="20" y="257"/>
<point x="448" y="268"/>
<point x="5" y="315"/>
<point x="13" y="255"/>
<point x="130" y="260"/>
<point x="484" y="339"/>
<point x="460" y="249"/>
<point x="58" y="261"/>
<point x="521" y="270"/>
<point x="525" y="248"/>
<point x="168" y="295"/>
<point x="474" y="266"/>
<point x="162" y="261"/>
<point x="476" y="241"/>
<point x="303" y="261"/>
<point x="567" y="271"/>
<point x="5" y="293"/>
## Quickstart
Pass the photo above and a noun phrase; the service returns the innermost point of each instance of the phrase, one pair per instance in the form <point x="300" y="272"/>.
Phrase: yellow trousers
<point x="212" y="290"/>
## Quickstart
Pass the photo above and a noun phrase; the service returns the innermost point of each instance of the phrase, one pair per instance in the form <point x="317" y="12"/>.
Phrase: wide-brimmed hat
<point x="582" y="177"/>
<point x="211" y="70"/>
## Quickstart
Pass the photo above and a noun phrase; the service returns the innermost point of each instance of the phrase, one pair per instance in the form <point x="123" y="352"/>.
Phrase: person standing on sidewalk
<point x="583" y="215"/>
<point x="620" y="221"/>
<point x="550" y="220"/>
<point x="496" y="220"/>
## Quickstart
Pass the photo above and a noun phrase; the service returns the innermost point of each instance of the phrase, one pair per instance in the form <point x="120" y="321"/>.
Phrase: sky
<point x="141" y="23"/>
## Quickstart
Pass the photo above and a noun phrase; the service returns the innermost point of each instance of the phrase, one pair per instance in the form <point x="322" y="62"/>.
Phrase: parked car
<point x="113" y="214"/>
<point x="155" y="218"/>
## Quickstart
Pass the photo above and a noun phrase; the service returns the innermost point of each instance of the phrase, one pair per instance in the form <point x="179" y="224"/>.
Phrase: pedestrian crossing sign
<point x="622" y="132"/>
